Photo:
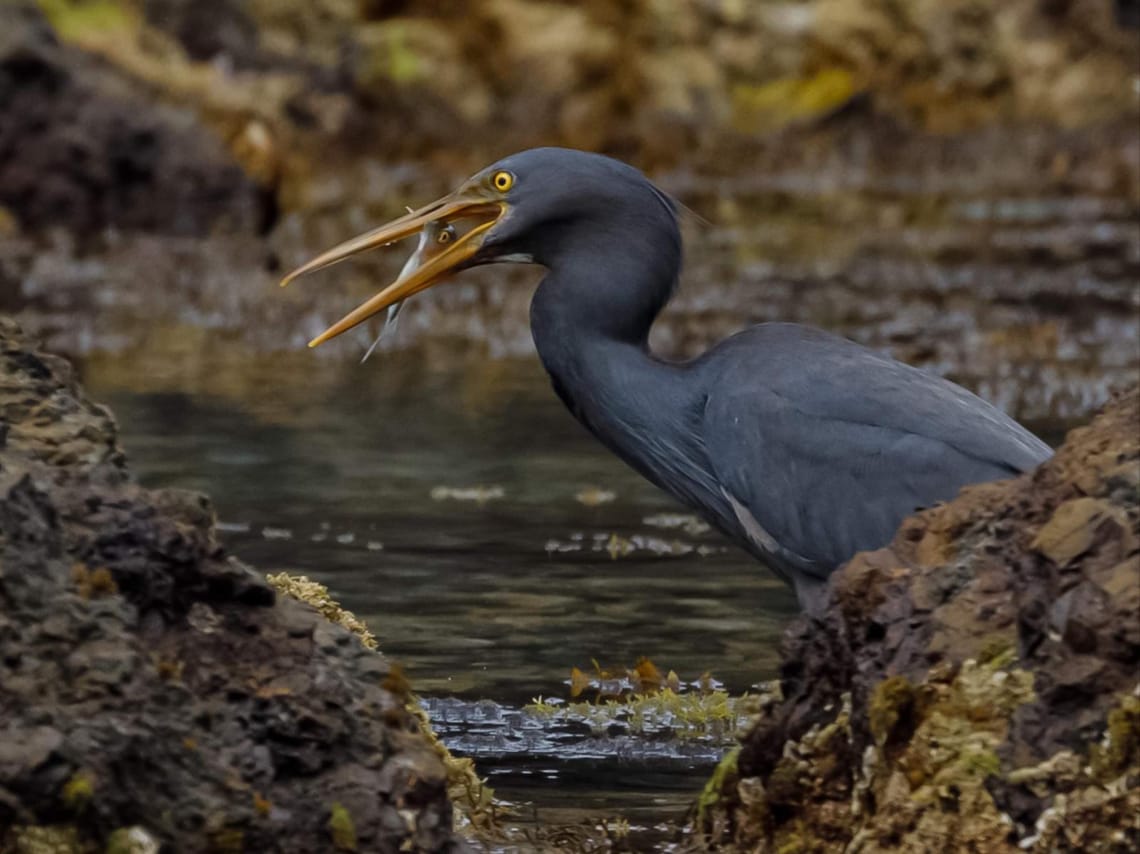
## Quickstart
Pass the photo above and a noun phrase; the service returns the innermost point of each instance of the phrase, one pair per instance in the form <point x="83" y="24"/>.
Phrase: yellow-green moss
<point x="714" y="789"/>
<point x="794" y="844"/>
<point x="780" y="102"/>
<point x="311" y="592"/>
<point x="341" y="828"/>
<point x="42" y="839"/>
<point x="691" y="714"/>
<point x="980" y="762"/>
<point x="75" y="18"/>
<point x="1000" y="650"/>
<point x="228" y="840"/>
<point x="1120" y="748"/>
<point x="892" y="699"/>
<point x="78" y="791"/>
<point x="943" y="736"/>
<point x="467" y="791"/>
<point x="132" y="840"/>
<point x="401" y="64"/>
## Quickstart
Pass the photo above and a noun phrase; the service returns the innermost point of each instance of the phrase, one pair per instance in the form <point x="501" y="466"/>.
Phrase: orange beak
<point x="461" y="205"/>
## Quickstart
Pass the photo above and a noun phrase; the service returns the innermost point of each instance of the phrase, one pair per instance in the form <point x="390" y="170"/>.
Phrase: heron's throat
<point x="597" y="355"/>
<point x="606" y="286"/>
<point x="591" y="317"/>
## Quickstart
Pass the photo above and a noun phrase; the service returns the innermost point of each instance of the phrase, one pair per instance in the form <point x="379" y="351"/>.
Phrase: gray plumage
<point x="830" y="445"/>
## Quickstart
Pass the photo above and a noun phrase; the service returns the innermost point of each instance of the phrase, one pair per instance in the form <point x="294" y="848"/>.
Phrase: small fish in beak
<point x="477" y="203"/>
<point x="434" y="238"/>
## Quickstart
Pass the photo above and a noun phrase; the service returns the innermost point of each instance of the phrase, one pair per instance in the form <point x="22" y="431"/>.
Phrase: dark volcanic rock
<point x="148" y="679"/>
<point x="206" y="28"/>
<point x="84" y="148"/>
<point x="975" y="685"/>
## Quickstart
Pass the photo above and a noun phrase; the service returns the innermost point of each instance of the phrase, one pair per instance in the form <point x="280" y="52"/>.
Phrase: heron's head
<point x="532" y="207"/>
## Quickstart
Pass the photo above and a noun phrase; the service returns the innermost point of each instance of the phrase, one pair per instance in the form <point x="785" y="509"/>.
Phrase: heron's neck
<point x="591" y="333"/>
<point x="606" y="287"/>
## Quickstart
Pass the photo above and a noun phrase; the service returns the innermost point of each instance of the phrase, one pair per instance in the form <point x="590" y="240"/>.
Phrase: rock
<point x="952" y="66"/>
<point x="974" y="685"/>
<point x="83" y="148"/>
<point x="1076" y="525"/>
<point x="207" y="28"/>
<point x="155" y="689"/>
<point x="634" y="78"/>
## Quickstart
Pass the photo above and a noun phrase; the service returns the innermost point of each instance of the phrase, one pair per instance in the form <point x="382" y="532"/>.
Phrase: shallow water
<point x="457" y="528"/>
<point x="458" y="514"/>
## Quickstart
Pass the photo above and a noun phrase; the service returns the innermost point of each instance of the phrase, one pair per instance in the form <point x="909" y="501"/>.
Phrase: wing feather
<point x="829" y="445"/>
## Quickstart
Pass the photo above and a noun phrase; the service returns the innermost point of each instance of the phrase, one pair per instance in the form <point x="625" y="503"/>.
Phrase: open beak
<point x="458" y="254"/>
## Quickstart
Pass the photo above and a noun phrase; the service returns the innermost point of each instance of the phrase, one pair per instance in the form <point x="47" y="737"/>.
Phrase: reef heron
<point x="801" y="446"/>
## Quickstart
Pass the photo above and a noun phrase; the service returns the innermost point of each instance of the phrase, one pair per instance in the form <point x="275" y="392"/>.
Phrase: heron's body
<point x="802" y="447"/>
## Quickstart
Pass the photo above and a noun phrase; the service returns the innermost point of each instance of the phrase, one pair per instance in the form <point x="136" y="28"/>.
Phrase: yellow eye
<point x="503" y="181"/>
<point x="444" y="237"/>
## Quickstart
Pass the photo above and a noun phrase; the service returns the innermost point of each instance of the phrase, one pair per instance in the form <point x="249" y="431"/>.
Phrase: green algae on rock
<point x="304" y="589"/>
<point x="713" y="716"/>
<point x="973" y="686"/>
<point x="341" y="829"/>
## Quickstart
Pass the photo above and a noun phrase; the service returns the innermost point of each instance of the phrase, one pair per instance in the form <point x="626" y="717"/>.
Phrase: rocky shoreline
<point x="153" y="686"/>
<point x="973" y="686"/>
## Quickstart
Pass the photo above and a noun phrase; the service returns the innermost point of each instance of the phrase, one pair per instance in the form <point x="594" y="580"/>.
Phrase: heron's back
<point x="827" y="446"/>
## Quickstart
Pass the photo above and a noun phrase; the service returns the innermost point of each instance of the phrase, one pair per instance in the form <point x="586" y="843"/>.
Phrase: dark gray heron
<point x="802" y="447"/>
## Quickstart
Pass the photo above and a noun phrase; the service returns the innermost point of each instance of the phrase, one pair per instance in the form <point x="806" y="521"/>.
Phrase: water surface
<point x="463" y="526"/>
<point x="488" y="541"/>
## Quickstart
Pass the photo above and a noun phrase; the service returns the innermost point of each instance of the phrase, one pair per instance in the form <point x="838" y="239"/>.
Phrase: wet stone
<point x="25" y="749"/>
<point x="1072" y="529"/>
<point x="133" y="649"/>
<point x="298" y="622"/>
<point x="988" y="722"/>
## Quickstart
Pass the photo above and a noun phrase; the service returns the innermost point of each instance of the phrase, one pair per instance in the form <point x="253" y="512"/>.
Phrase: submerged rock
<point x="153" y="687"/>
<point x="973" y="686"/>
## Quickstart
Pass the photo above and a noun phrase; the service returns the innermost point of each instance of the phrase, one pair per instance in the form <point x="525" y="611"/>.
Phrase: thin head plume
<point x="690" y="214"/>
<point x="679" y="209"/>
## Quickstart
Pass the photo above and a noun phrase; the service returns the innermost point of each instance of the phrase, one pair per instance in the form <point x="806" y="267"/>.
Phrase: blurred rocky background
<point x="957" y="181"/>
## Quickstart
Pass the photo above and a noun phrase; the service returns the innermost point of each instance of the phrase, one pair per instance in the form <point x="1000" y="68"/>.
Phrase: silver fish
<point x="436" y="235"/>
